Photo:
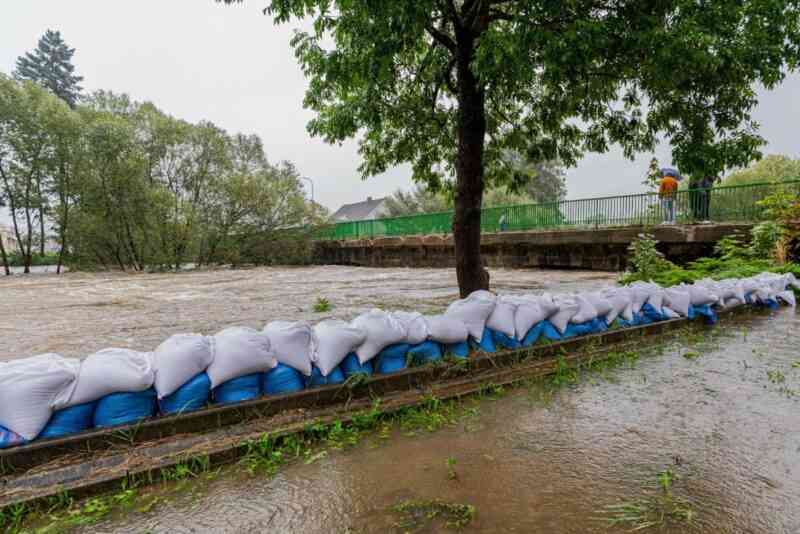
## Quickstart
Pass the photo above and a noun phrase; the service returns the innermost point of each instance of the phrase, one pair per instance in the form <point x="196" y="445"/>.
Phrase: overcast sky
<point x="196" y="59"/>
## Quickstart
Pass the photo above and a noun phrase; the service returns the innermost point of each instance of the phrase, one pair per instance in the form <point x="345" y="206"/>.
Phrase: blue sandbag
<point x="649" y="312"/>
<point x="533" y="334"/>
<point x="599" y="324"/>
<point x="351" y="366"/>
<point x="282" y="379"/>
<point x="69" y="421"/>
<point x="425" y="352"/>
<point x="705" y="311"/>
<point x="392" y="358"/>
<point x="577" y="330"/>
<point x="316" y="379"/>
<point x="507" y="342"/>
<point x="191" y="396"/>
<point x="238" y="389"/>
<point x="748" y="299"/>
<point x="549" y="331"/>
<point x="487" y="341"/>
<point x="125" y="408"/>
<point x="458" y="350"/>
<point x="9" y="438"/>
<point x="772" y="304"/>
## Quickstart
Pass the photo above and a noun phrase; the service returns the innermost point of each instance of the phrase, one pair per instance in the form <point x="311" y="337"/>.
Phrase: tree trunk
<point x="4" y="256"/>
<point x="469" y="174"/>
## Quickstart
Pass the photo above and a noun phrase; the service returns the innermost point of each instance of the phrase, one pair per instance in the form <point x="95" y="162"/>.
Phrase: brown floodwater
<point x="76" y="314"/>
<point x="725" y="420"/>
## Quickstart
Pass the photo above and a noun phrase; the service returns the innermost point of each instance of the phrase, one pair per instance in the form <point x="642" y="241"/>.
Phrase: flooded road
<point x="79" y="313"/>
<point x="716" y="415"/>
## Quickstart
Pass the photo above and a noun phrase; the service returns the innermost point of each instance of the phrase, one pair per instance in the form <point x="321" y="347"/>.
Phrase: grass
<point x="663" y="509"/>
<point x="322" y="305"/>
<point x="419" y="514"/>
<point x="450" y="463"/>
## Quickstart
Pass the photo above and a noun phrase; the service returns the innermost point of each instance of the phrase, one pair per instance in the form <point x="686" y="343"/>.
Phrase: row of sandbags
<point x="48" y="396"/>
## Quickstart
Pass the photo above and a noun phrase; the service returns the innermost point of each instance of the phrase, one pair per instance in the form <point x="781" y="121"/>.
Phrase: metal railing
<point x="724" y="204"/>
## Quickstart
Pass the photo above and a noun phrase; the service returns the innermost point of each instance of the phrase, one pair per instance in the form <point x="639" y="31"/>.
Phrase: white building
<point x="372" y="208"/>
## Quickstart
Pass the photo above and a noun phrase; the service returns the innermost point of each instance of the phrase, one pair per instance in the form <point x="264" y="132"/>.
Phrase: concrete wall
<point x="603" y="249"/>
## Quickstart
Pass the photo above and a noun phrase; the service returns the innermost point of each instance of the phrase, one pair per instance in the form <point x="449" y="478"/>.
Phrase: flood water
<point x="725" y="421"/>
<point x="76" y="314"/>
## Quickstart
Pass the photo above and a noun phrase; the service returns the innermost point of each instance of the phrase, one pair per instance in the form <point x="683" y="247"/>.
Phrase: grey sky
<point x="196" y="59"/>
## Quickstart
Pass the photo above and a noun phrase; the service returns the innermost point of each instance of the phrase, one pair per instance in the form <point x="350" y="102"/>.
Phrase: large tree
<point x="452" y="85"/>
<point x="50" y="65"/>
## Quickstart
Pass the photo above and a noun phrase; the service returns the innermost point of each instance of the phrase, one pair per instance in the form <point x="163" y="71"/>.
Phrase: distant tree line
<point x="117" y="183"/>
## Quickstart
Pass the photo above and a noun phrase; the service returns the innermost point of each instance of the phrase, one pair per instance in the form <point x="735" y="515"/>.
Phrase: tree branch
<point x="441" y="38"/>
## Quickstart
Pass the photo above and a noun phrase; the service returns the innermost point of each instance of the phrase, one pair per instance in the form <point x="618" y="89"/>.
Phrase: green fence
<point x="725" y="204"/>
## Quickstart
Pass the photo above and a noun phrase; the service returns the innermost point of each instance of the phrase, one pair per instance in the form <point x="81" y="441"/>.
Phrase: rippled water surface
<point x="79" y="313"/>
<point x="725" y="420"/>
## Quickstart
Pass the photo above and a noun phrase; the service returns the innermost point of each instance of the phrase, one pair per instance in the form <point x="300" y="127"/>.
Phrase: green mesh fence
<point x="723" y="204"/>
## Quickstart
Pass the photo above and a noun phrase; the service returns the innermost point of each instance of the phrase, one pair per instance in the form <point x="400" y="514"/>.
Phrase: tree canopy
<point x="775" y="167"/>
<point x="450" y="86"/>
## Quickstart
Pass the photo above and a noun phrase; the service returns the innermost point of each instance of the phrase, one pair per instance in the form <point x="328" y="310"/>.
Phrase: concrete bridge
<point x="603" y="249"/>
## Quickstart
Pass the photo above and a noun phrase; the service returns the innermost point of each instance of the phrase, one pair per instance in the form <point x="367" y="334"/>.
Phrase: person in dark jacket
<point x="705" y="187"/>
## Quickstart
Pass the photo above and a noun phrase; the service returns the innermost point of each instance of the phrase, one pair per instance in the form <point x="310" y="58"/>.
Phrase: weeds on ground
<point x="416" y="515"/>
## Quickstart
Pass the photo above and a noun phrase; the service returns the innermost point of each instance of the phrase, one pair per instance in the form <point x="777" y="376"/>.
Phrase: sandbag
<point x="444" y="329"/>
<point x="125" y="408"/>
<point x="600" y="303"/>
<point x="381" y="330"/>
<point x="502" y="317"/>
<point x="414" y="324"/>
<point x="112" y="371"/>
<point x="651" y="313"/>
<point x="191" y="396"/>
<point x="578" y="329"/>
<point x="788" y="297"/>
<point x="549" y="306"/>
<point x="533" y="334"/>
<point x="639" y="296"/>
<point x="678" y="300"/>
<point x="486" y="343"/>
<point x="239" y="351"/>
<point x="474" y="311"/>
<point x="316" y="379"/>
<point x="550" y="332"/>
<point x="10" y="439"/>
<point x="699" y="295"/>
<point x="351" y="366"/>
<point x="293" y="344"/>
<point x="335" y="340"/>
<point x="237" y="389"/>
<point x="426" y="352"/>
<point x="31" y="388"/>
<point x="567" y="308"/>
<point x="71" y="420"/>
<point x="180" y="358"/>
<point x="669" y="314"/>
<point x="586" y="311"/>
<point x="621" y="305"/>
<point x="502" y="340"/>
<point x="458" y="350"/>
<point x="281" y="380"/>
<point x="392" y="359"/>
<point x="529" y="312"/>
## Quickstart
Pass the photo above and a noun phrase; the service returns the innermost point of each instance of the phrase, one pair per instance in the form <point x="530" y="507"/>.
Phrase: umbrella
<point x="669" y="171"/>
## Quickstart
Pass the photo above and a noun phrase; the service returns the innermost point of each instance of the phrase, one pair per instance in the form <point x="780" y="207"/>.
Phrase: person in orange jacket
<point x="667" y="191"/>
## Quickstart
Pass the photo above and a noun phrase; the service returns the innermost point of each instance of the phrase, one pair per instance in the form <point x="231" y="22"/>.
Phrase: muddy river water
<point x="720" y="415"/>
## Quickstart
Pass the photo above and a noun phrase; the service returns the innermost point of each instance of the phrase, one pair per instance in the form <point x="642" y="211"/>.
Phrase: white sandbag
<point x="112" y="371"/>
<point x="239" y="351"/>
<point x="502" y="317"/>
<point x="567" y="308"/>
<point x="621" y="302"/>
<point x="549" y="307"/>
<point x="788" y="297"/>
<point x="414" y="324"/>
<point x="732" y="302"/>
<point x="446" y="329"/>
<point x="600" y="303"/>
<point x="381" y="330"/>
<point x="179" y="358"/>
<point x="700" y="296"/>
<point x="335" y="340"/>
<point x="473" y="311"/>
<point x="792" y="281"/>
<point x="586" y="312"/>
<point x="292" y="343"/>
<point x="656" y="299"/>
<point x="31" y="388"/>
<point x="678" y="300"/>
<point x="528" y="313"/>
<point x="639" y="296"/>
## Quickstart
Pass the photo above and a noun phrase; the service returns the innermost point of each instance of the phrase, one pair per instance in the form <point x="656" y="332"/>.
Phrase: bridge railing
<point x="726" y="204"/>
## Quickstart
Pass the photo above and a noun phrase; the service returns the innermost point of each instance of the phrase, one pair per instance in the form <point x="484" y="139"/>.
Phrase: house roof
<point x="357" y="211"/>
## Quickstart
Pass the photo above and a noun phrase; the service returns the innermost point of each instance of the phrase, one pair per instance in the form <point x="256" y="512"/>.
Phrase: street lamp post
<point x="312" y="186"/>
